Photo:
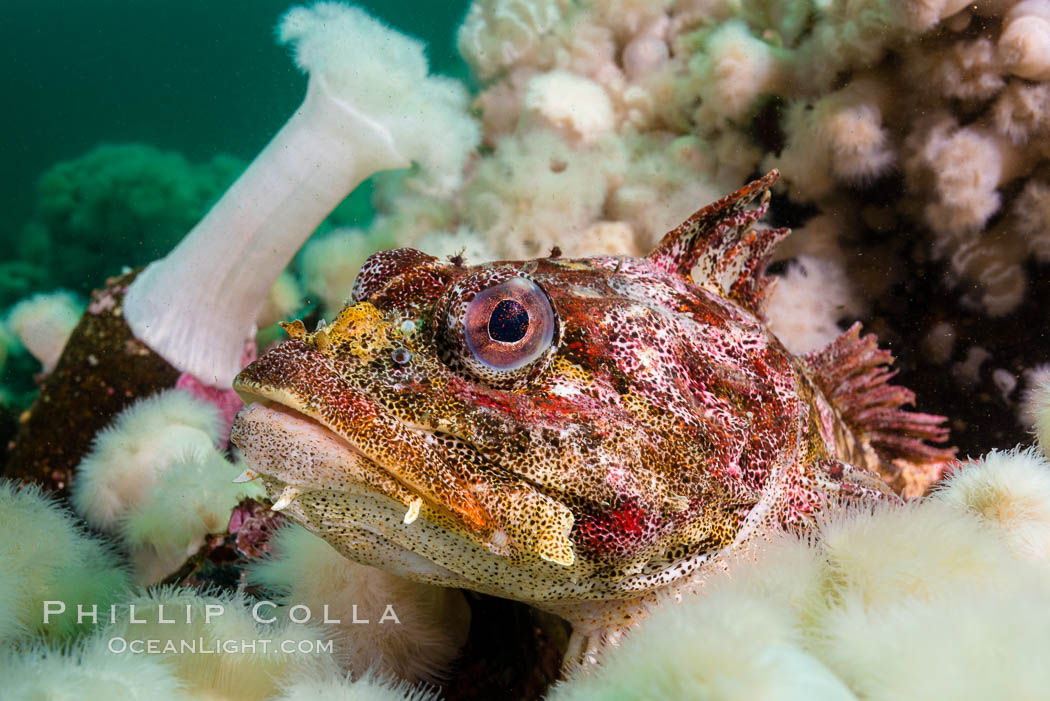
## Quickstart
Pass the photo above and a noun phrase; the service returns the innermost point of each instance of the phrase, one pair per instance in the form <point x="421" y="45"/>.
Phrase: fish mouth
<point x="298" y="453"/>
<point x="306" y="429"/>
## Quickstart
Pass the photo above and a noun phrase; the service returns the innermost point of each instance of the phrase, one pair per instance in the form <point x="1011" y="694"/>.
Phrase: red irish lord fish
<point x="582" y="435"/>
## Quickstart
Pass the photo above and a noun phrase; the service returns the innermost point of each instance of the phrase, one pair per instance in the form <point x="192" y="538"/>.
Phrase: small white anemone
<point x="807" y="303"/>
<point x="572" y="105"/>
<point x="838" y="138"/>
<point x="963" y="167"/>
<point x="155" y="478"/>
<point x="43" y="324"/>
<point x="644" y="55"/>
<point x="733" y="70"/>
<point x="499" y="33"/>
<point x="1022" y="111"/>
<point x="128" y="455"/>
<point x="1024" y="44"/>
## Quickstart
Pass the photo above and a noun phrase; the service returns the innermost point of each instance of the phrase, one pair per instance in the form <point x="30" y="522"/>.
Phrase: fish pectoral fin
<point x="854" y="374"/>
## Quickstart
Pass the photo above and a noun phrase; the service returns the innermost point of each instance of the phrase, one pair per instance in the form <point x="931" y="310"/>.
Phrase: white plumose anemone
<point x="369" y="106"/>
<point x="943" y="598"/>
<point x="43" y="324"/>
<point x="89" y="672"/>
<point x="1010" y="490"/>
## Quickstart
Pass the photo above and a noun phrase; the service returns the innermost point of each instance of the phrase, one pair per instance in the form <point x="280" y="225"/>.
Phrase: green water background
<point x="197" y="76"/>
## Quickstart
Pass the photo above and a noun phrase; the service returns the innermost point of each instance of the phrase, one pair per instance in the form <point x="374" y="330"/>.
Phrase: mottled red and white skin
<point x="582" y="435"/>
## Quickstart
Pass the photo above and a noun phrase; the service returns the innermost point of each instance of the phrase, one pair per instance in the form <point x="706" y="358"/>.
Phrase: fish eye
<point x="509" y="325"/>
<point x="499" y="325"/>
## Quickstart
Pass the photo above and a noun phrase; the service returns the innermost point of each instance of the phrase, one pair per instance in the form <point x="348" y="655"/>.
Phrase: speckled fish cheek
<point x="523" y="449"/>
<point x="584" y="466"/>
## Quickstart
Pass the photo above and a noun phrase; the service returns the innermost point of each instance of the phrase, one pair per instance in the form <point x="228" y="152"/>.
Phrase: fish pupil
<point x="509" y="322"/>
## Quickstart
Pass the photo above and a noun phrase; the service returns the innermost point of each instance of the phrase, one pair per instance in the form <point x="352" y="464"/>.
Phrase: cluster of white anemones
<point x="609" y="122"/>
<point x="605" y="123"/>
<point x="155" y="480"/>
<point x="201" y="646"/>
